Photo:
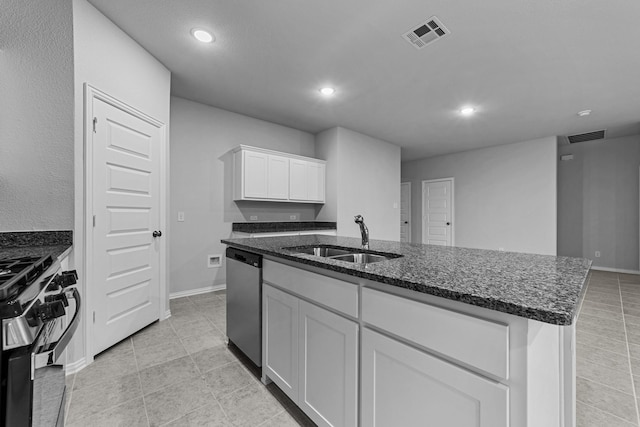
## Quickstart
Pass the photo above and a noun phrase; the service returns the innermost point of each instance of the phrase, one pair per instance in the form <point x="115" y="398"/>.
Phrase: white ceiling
<point x="527" y="65"/>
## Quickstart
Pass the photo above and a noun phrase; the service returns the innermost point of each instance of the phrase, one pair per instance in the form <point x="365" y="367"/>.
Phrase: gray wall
<point x="363" y="177"/>
<point x="505" y="196"/>
<point x="36" y="115"/>
<point x="598" y="201"/>
<point x="201" y="184"/>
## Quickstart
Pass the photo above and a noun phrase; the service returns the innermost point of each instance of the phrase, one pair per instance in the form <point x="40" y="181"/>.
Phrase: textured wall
<point x="201" y="183"/>
<point x="598" y="202"/>
<point x="505" y="196"/>
<point x="36" y="115"/>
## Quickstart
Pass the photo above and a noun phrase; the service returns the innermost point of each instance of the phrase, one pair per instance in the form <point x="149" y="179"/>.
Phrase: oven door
<point x="48" y="373"/>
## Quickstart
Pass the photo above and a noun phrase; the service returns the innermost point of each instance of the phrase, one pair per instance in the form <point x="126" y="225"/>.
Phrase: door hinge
<point x="94" y="220"/>
<point x="94" y="317"/>
<point x="95" y="122"/>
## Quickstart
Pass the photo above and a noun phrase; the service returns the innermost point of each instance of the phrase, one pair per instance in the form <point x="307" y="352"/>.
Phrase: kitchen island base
<point x="354" y="352"/>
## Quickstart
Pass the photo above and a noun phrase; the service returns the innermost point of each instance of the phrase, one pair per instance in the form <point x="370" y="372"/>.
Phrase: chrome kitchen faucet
<point x="364" y="231"/>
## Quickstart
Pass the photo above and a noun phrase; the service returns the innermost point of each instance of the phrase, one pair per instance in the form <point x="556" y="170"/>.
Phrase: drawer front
<point x="479" y="343"/>
<point x="336" y="294"/>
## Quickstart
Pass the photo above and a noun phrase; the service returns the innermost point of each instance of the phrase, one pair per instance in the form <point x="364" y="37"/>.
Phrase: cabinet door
<point x="278" y="178"/>
<point x="280" y="339"/>
<point x="315" y="181"/>
<point x="402" y="386"/>
<point x="254" y="171"/>
<point x="298" y="179"/>
<point x="328" y="376"/>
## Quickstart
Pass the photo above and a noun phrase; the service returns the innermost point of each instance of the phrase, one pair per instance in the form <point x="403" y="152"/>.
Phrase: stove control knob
<point x="50" y="310"/>
<point x="58" y="297"/>
<point x="68" y="278"/>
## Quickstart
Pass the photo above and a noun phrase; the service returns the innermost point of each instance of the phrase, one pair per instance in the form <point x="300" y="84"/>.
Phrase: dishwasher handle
<point x="248" y="258"/>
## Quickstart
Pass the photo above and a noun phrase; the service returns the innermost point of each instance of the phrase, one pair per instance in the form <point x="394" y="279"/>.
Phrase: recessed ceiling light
<point x="467" y="111"/>
<point x="327" y="91"/>
<point x="202" y="35"/>
<point x="584" y="113"/>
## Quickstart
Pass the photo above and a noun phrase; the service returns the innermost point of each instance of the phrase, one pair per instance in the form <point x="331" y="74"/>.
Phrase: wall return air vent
<point x="589" y="136"/>
<point x="426" y="32"/>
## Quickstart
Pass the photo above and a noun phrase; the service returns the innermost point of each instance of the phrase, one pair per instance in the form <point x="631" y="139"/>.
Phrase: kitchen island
<point x="433" y="336"/>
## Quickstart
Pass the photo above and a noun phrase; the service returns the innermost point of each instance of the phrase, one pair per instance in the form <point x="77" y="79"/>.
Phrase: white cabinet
<point x="403" y="386"/>
<point x="307" y="180"/>
<point x="262" y="176"/>
<point x="311" y="353"/>
<point x="328" y="366"/>
<point x="280" y="339"/>
<point x="267" y="175"/>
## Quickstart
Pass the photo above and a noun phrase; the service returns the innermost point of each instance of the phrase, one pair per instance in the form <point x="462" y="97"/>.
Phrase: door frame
<point x="90" y="94"/>
<point x="408" y="183"/>
<point x="453" y="212"/>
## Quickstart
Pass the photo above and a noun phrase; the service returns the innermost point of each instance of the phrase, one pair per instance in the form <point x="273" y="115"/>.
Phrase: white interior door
<point x="405" y="212"/>
<point x="437" y="212"/>
<point x="126" y="207"/>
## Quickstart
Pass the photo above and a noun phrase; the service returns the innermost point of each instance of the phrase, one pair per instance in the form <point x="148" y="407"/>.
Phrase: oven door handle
<point x="50" y="356"/>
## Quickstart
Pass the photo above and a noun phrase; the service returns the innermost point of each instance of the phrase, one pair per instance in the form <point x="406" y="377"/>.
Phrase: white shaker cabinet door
<point x="315" y="181"/>
<point x="254" y="170"/>
<point x="298" y="186"/>
<point x="328" y="367"/>
<point x="403" y="386"/>
<point x="280" y="339"/>
<point x="278" y="178"/>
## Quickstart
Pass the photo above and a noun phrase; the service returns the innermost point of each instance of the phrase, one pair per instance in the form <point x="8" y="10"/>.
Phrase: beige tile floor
<point x="608" y="352"/>
<point x="178" y="372"/>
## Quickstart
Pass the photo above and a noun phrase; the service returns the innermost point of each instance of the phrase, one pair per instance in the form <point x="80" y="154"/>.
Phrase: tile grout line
<point x="626" y="336"/>
<point x="144" y="402"/>
<point x="601" y="410"/>
<point x="198" y="368"/>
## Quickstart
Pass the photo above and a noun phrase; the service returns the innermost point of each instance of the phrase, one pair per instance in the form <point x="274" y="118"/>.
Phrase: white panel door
<point x="315" y="181"/>
<point x="405" y="212"/>
<point x="298" y="189"/>
<point x="328" y="364"/>
<point x="126" y="203"/>
<point x="255" y="174"/>
<point x="280" y="339"/>
<point x="278" y="178"/>
<point x="402" y="386"/>
<point x="437" y="212"/>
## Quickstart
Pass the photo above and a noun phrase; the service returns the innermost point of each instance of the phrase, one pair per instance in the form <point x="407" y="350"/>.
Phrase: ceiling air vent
<point x="589" y="136"/>
<point x="425" y="33"/>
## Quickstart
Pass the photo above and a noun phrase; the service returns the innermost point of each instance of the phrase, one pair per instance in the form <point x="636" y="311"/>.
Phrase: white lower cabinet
<point x="280" y="339"/>
<point x="403" y="386"/>
<point x="312" y="355"/>
<point x="328" y="366"/>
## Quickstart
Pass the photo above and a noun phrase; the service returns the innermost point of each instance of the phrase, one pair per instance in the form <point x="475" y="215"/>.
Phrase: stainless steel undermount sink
<point x="353" y="255"/>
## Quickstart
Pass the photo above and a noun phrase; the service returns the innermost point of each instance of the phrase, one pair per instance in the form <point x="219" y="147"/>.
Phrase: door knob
<point x="157" y="233"/>
<point x="406" y="222"/>
<point x="448" y="223"/>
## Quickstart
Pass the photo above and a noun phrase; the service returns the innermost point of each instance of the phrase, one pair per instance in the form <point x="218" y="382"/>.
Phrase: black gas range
<point x="39" y="312"/>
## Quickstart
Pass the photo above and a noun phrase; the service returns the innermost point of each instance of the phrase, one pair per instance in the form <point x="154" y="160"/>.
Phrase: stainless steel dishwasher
<point x="244" y="302"/>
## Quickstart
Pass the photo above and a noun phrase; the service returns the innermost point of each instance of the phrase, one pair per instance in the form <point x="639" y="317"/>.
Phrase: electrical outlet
<point x="180" y="216"/>
<point x="253" y="218"/>
<point x="597" y="254"/>
<point x="293" y="217"/>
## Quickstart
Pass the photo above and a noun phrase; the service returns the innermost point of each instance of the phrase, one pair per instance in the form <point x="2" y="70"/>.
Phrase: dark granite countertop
<point x="539" y="287"/>
<point x="265" y="227"/>
<point x="35" y="243"/>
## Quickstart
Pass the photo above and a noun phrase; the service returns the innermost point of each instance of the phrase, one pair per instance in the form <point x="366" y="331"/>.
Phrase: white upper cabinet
<point x="306" y="180"/>
<point x="261" y="174"/>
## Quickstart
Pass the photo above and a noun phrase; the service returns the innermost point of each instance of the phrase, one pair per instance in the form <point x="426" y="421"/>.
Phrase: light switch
<point x="395" y="206"/>
<point x="180" y="216"/>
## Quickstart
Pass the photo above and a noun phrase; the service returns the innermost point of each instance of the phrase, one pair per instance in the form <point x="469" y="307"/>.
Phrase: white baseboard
<point x="72" y="368"/>
<point x="198" y="291"/>
<point x="615" y="270"/>
<point x="167" y="314"/>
